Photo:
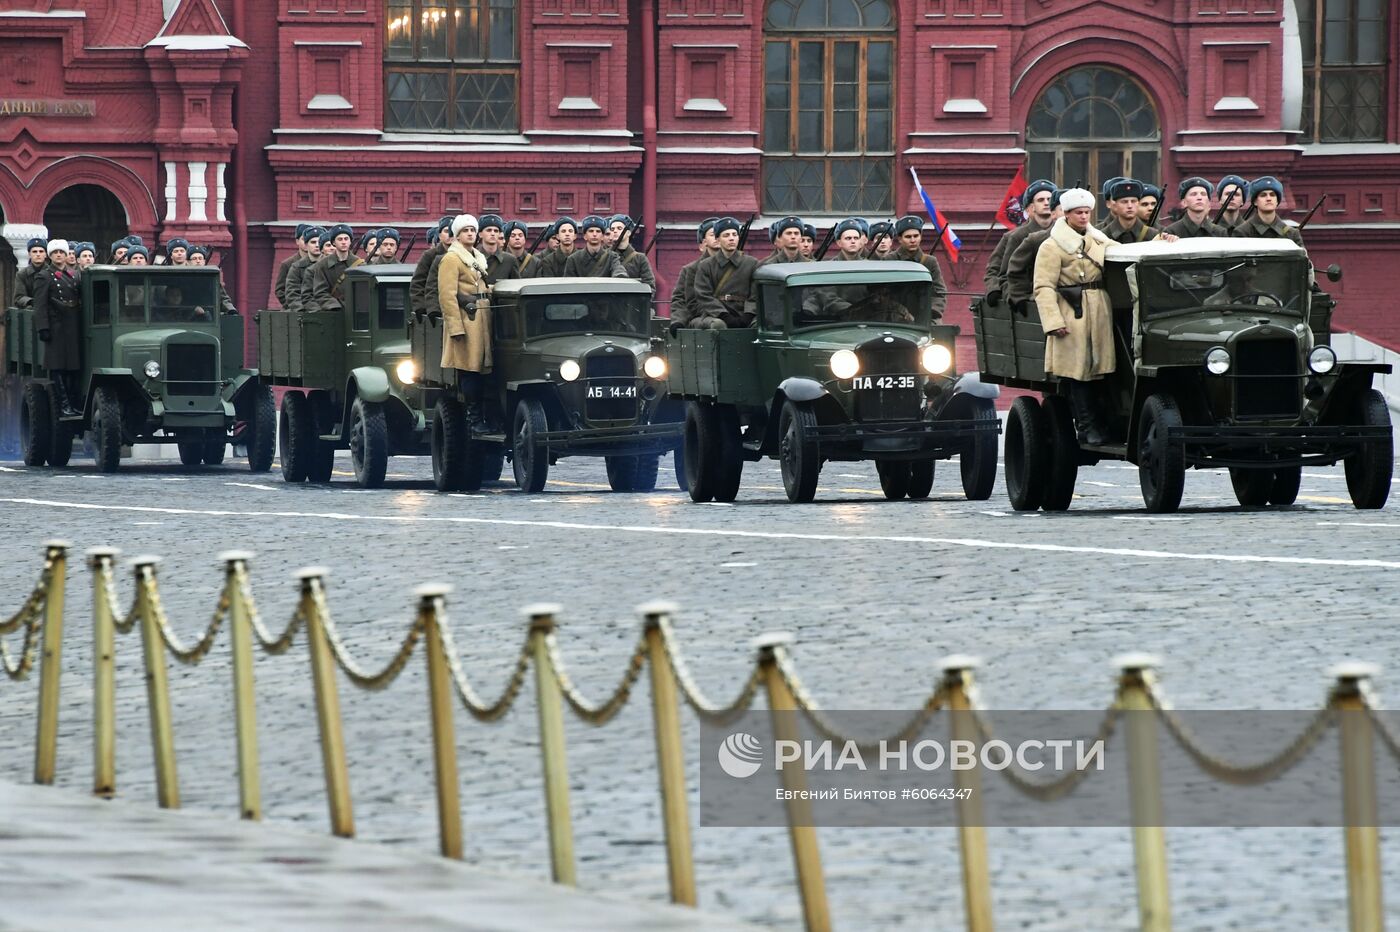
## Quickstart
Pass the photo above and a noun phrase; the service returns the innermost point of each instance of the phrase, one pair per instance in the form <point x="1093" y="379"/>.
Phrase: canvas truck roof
<point x="1205" y="247"/>
<point x="822" y="273"/>
<point x="576" y="285"/>
<point x="391" y="271"/>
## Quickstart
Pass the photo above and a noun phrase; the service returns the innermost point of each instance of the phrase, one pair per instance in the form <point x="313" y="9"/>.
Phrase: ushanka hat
<point x="1128" y="187"/>
<point x="915" y="222"/>
<point x="725" y="224"/>
<point x="706" y="226"/>
<point x="389" y="233"/>
<point x="340" y="228"/>
<point x="1267" y="183"/>
<point x="1036" y="187"/>
<point x="559" y="225"/>
<point x="851" y="223"/>
<point x="1075" y="198"/>
<point x="786" y="223"/>
<point x="592" y="221"/>
<point x="1195" y="181"/>
<point x="513" y="225"/>
<point x="39" y="242"/>
<point x="492" y="220"/>
<point x="462" y="221"/>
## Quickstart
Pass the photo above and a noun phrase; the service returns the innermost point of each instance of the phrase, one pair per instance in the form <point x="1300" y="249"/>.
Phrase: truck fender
<point x="369" y="383"/>
<point x="799" y="389"/>
<point x="970" y="383"/>
<point x="239" y="383"/>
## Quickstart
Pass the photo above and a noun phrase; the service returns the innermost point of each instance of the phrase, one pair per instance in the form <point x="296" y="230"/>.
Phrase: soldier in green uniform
<point x="723" y="282"/>
<point x="850" y="240"/>
<point x="881" y="240"/>
<point x="86" y="254"/>
<point x="809" y="240"/>
<point x="909" y="233"/>
<point x="787" y="241"/>
<point x="25" y="277"/>
<point x="1019" y="280"/>
<point x="1266" y="194"/>
<point x="517" y="236"/>
<point x="280" y="288"/>
<point x="683" y="295"/>
<point x="177" y="251"/>
<point x="1104" y="191"/>
<point x="294" y="288"/>
<point x="500" y="264"/>
<point x="1195" y="194"/>
<point x="58" y="317"/>
<point x="388" y="251"/>
<point x="551" y="264"/>
<point x="1035" y="201"/>
<point x="1233" y="190"/>
<point x="1147" y="204"/>
<point x="138" y="255"/>
<point x="634" y="263"/>
<point x="328" y="274"/>
<point x="422" y="286"/>
<point x="1123" y="224"/>
<point x="199" y="256"/>
<point x="594" y="260"/>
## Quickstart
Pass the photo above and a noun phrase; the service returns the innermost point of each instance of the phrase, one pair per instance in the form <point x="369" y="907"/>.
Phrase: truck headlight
<point x="152" y="369"/>
<point x="844" y="364"/>
<point x="1322" y="360"/>
<point x="406" y="371"/>
<point x="569" y="370"/>
<point x="654" y="367"/>
<point x="936" y="358"/>
<point x="1218" y="360"/>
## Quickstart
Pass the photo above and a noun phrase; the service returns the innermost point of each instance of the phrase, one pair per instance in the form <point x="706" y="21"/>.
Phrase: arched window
<point x="1090" y="125"/>
<point x="828" y="112"/>
<point x="451" y="66"/>
<point x="1345" y="58"/>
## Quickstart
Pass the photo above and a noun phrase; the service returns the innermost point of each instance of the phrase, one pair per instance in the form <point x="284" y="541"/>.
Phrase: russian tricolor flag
<point x="951" y="243"/>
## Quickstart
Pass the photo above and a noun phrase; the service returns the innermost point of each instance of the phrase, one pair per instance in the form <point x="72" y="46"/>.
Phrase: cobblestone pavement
<point x="1246" y="608"/>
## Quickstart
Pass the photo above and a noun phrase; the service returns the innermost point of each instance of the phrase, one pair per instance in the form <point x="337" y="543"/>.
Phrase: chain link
<point x="589" y="712"/>
<point x="20" y="669"/>
<point x="356" y="674"/>
<point x="271" y="645"/>
<point x="704" y="709"/>
<point x="1388" y="737"/>
<point x="475" y="706"/>
<point x="33" y="603"/>
<point x="186" y="655"/>
<point x="1241" y="774"/>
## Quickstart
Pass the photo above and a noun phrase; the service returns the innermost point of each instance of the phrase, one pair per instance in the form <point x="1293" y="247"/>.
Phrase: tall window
<point x="828" y="127"/>
<point x="1090" y="125"/>
<point x="1344" y="69"/>
<point x="451" y="66"/>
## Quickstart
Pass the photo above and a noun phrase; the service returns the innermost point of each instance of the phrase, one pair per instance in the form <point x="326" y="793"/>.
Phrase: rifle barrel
<point x="744" y="231"/>
<point x="1315" y="206"/>
<point x="1225" y="202"/>
<point x="826" y="243"/>
<point x="538" y="239"/>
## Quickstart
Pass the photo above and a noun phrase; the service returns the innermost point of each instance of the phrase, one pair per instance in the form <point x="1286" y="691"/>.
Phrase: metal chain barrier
<point x="269" y="644"/>
<point x="1388" y="737"/>
<point x="1242" y="774"/>
<point x="705" y="710"/>
<point x="476" y="707"/>
<point x="597" y="714"/>
<point x="33" y="603"/>
<point x="189" y="656"/>
<point x="353" y="671"/>
<point x="30" y="617"/>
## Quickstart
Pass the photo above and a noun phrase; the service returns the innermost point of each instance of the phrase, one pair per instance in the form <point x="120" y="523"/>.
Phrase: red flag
<point x="1010" y="214"/>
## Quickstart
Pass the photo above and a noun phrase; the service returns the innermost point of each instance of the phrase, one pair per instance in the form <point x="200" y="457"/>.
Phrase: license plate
<point x="610" y="391"/>
<point x="883" y="382"/>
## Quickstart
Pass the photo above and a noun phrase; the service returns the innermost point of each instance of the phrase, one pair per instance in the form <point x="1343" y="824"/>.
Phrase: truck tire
<point x="60" y="443"/>
<point x="895" y="478"/>
<point x="798" y="451"/>
<point x="369" y="443"/>
<point x="729" y="465"/>
<point x="1287" y="481"/>
<point x="635" y="473"/>
<point x="1161" y="461"/>
<point x="1062" y="465"/>
<point x="1027" y="452"/>
<point x="449" y="445"/>
<point x="1252" y="486"/>
<point x="212" y="451"/>
<point x="529" y="457"/>
<point x="107" y="429"/>
<point x="678" y="463"/>
<point x="325" y="419"/>
<point x="261" y="431"/>
<point x="1368" y="470"/>
<point x="493" y="463"/>
<point x="921" y="478"/>
<point x="36" y="422"/>
<point x="296" y="432"/>
<point x="978" y="463"/>
<point x="698" y="450"/>
<point x="191" y="452"/>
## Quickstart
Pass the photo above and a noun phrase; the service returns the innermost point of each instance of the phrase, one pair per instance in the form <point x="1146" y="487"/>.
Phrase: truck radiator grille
<point x="1269" y="383"/>
<point x="192" y="369"/>
<point x="605" y="365"/>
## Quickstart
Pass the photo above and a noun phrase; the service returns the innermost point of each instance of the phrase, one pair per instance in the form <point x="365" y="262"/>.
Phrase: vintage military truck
<point x="1223" y="361"/>
<point x="844" y="364"/>
<point x="160" y="365"/>
<point x="573" y="376"/>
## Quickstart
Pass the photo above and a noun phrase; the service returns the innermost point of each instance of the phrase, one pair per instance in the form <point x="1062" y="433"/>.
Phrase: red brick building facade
<point x="230" y="121"/>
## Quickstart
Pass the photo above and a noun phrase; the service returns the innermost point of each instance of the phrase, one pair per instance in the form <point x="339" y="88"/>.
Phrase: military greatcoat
<point x="1069" y="258"/>
<point x="58" y="308"/>
<point x="461" y="277"/>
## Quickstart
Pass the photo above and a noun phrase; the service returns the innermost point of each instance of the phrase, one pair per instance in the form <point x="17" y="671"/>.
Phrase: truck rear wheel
<point x="325" y="419"/>
<point x="261" y="430"/>
<point x="1252" y="486"/>
<point x="1062" y="467"/>
<point x="369" y="443"/>
<point x="729" y="462"/>
<point x="678" y="462"/>
<point x="60" y="443"/>
<point x="107" y="429"/>
<point x="449" y="445"/>
<point x="1027" y="443"/>
<point x="1161" y="460"/>
<point x="213" y="451"/>
<point x="529" y="457"/>
<point x="895" y="477"/>
<point x="36" y="422"/>
<point x="297" y="434"/>
<point x="798" y="451"/>
<point x="921" y="478"/>
<point x="633" y="473"/>
<point x="978" y="462"/>
<point x="191" y="452"/>
<point x="493" y="463"/>
<point x="1287" y="481"/>
<point x="1368" y="470"/>
<point x="694" y="457"/>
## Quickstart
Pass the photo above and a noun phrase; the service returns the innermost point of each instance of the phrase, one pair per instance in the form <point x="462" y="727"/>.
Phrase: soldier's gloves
<point x="674" y="326"/>
<point x="994" y="296"/>
<point x="44" y="335"/>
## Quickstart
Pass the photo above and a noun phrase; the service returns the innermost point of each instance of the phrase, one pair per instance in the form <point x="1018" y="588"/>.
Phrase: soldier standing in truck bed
<point x="280" y="288"/>
<point x="1035" y="200"/>
<point x="723" y="283"/>
<point x="1195" y="194"/>
<point x="551" y="264"/>
<point x="1266" y="194"/>
<point x="328" y="274"/>
<point x="294" y="289"/>
<point x="58" y="317"/>
<point x="909" y="234"/>
<point x="25" y="277"/>
<point x="423" y="285"/>
<point x="500" y="264"/>
<point x="594" y="260"/>
<point x="634" y="263"/>
<point x="517" y="240"/>
<point x="683" y="295"/>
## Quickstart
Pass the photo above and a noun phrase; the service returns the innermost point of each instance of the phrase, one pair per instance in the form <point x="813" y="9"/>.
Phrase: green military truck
<point x="1223" y="361"/>
<point x="573" y="375"/>
<point x="844" y="364"/>
<point x="160" y="365"/>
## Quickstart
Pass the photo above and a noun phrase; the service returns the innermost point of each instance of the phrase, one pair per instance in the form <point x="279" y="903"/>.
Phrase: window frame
<point x="1093" y="146"/>
<point x="1316" y="70"/>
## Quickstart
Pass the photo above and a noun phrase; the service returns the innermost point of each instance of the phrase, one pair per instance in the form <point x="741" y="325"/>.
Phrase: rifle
<point x="407" y="247"/>
<point x="538" y="239"/>
<point x="1152" y="218"/>
<point x="744" y="231"/>
<point x="875" y="243"/>
<point x="826" y="243"/>
<point x="1225" y="202"/>
<point x="654" y="237"/>
<point x="1310" y="213"/>
<point x="630" y="234"/>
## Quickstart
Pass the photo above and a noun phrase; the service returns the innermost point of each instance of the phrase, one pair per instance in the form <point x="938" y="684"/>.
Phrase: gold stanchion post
<point x="806" y="854"/>
<point x="556" y="765"/>
<point x="670" y="758"/>
<point x="1350" y="698"/>
<point x="51" y="663"/>
<point x="245" y="704"/>
<point x="157" y="686"/>
<point x="104" y="674"/>
<point x="972" y="832"/>
<point x="449" y="800"/>
<point x="1145" y="790"/>
<point x="327" y="705"/>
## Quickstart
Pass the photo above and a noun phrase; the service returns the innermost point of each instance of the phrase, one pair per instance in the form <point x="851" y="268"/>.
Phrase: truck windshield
<point x="862" y="303"/>
<point x="173" y="299"/>
<point x="1229" y="281"/>
<point x="546" y="315"/>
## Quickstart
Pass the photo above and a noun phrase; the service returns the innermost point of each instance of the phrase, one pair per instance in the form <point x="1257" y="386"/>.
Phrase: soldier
<point x="388" y="251"/>
<point x="517" y="244"/>
<point x="466" y="317"/>
<point x="634" y="263"/>
<point x="328" y="274"/>
<point x="723" y="283"/>
<point x="910" y="233"/>
<point x="421" y="290"/>
<point x="25" y="278"/>
<point x="1035" y="201"/>
<point x="87" y="254"/>
<point x="850" y="239"/>
<point x="199" y="255"/>
<point x="58" y="321"/>
<point x="1232" y="190"/>
<point x="787" y="240"/>
<point x="1019" y="280"/>
<point x="138" y="255"/>
<point x="295" y="291"/>
<point x="881" y="239"/>
<point x="119" y="250"/>
<point x="280" y="288"/>
<point x="1123" y="223"/>
<point x="1195" y="193"/>
<point x="683" y="295"/>
<point x="1104" y="191"/>
<point x="177" y="251"/>
<point x="594" y="260"/>
<point x="1074" y="309"/>
<point x="551" y="264"/>
<point x="809" y="240"/>
<point x="1147" y="204"/>
<point x="1266" y="194"/>
<point x="500" y="264"/>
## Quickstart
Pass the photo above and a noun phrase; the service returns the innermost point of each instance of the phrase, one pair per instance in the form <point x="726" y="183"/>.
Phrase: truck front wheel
<point x="798" y="451"/>
<point x="1368" y="470"/>
<point x="449" y="445"/>
<point x="107" y="429"/>
<point x="1062" y="468"/>
<point x="297" y="435"/>
<point x="895" y="477"/>
<point x="369" y="443"/>
<point x="1161" y="459"/>
<point x="978" y="460"/>
<point x="529" y="459"/>
<point x="36" y="424"/>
